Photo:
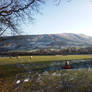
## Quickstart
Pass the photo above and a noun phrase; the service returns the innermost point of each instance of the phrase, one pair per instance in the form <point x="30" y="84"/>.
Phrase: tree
<point x="13" y="12"/>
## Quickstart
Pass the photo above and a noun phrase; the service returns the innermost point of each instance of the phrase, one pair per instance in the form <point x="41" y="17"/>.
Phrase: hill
<point x="50" y="41"/>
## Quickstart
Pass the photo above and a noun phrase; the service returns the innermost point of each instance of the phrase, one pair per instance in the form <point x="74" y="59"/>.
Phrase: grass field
<point x="10" y="67"/>
<point x="26" y="59"/>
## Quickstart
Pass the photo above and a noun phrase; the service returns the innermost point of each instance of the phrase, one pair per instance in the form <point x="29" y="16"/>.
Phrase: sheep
<point x="17" y="57"/>
<point x="30" y="57"/>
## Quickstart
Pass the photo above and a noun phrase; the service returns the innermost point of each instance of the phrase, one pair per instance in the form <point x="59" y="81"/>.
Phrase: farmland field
<point x="46" y="74"/>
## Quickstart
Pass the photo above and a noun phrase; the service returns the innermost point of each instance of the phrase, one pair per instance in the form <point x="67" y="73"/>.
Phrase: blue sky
<point x="68" y="17"/>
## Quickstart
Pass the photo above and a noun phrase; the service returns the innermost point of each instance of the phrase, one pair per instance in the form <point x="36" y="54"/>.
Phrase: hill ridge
<point x="46" y="41"/>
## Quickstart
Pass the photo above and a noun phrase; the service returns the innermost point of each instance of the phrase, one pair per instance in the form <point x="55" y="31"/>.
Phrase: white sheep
<point x="30" y="57"/>
<point x="17" y="57"/>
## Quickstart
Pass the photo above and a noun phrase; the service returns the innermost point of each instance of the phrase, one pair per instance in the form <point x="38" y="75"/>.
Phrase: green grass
<point x="9" y="67"/>
<point x="26" y="59"/>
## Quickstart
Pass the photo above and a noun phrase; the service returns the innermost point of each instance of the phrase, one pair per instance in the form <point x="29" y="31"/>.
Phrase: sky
<point x="67" y="17"/>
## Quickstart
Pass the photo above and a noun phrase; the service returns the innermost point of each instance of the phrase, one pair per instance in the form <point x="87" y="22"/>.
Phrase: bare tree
<point x="13" y="12"/>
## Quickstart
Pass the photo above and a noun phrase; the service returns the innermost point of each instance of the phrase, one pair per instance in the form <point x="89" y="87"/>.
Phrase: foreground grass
<point x="56" y="81"/>
<point x="9" y="67"/>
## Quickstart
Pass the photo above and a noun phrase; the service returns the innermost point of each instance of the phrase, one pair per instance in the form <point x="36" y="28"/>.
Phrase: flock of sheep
<point x="18" y="57"/>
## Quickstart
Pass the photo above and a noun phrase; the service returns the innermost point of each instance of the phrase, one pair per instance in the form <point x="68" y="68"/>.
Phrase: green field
<point x="26" y="59"/>
<point x="10" y="67"/>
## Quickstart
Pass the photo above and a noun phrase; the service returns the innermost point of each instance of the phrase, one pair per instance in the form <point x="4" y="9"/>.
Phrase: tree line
<point x="67" y="51"/>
